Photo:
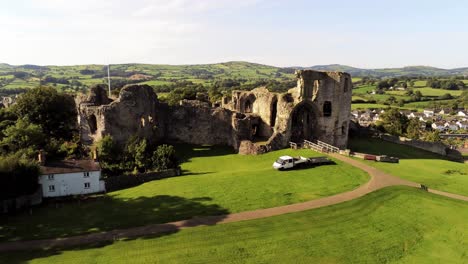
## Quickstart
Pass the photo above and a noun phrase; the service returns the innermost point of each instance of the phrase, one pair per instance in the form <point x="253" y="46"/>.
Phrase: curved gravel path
<point x="378" y="181"/>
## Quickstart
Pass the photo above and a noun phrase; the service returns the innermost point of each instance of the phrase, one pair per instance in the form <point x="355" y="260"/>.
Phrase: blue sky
<point x="361" y="33"/>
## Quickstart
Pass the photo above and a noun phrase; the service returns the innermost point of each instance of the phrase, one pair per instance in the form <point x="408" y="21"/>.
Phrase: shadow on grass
<point x="186" y="152"/>
<point x="306" y="167"/>
<point x="189" y="173"/>
<point x="148" y="218"/>
<point x="376" y="146"/>
<point x="106" y="213"/>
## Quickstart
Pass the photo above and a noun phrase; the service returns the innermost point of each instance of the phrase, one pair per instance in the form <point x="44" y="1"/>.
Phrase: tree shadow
<point x="186" y="152"/>
<point x="148" y="218"/>
<point x="189" y="173"/>
<point x="109" y="213"/>
<point x="376" y="146"/>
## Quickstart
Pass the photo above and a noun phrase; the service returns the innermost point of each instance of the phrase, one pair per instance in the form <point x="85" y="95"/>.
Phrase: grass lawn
<point x="417" y="165"/>
<point x="392" y="225"/>
<point x="216" y="181"/>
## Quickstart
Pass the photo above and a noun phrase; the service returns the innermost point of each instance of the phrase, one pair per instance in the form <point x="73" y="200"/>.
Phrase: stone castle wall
<point x="318" y="108"/>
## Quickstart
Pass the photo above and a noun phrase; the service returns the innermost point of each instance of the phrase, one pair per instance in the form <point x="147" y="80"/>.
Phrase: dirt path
<point x="378" y="180"/>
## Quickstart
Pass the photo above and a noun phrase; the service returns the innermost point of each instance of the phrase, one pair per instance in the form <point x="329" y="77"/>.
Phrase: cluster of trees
<point x="44" y="119"/>
<point x="451" y="84"/>
<point x="137" y="155"/>
<point x="51" y="79"/>
<point x="396" y="123"/>
<point x="211" y="93"/>
<point x="19" y="176"/>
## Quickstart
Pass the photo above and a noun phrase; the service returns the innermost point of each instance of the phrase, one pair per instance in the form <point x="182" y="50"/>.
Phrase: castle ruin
<point x="252" y="122"/>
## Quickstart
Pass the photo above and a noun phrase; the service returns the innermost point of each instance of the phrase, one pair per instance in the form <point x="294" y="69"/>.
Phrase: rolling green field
<point x="158" y="74"/>
<point x="392" y="225"/>
<point x="417" y="165"/>
<point x="427" y="91"/>
<point x="216" y="182"/>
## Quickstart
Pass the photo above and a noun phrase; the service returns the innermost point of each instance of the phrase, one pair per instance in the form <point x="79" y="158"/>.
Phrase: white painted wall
<point x="71" y="184"/>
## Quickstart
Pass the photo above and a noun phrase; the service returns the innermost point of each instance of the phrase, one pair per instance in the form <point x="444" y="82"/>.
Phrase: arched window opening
<point x="274" y="110"/>
<point x="92" y="124"/>
<point x="248" y="107"/>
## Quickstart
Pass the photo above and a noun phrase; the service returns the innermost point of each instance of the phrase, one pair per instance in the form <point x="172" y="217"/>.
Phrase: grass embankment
<point x="216" y="181"/>
<point x="392" y="225"/>
<point x="416" y="165"/>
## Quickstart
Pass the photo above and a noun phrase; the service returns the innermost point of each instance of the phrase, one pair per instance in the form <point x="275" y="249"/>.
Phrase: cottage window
<point x="87" y="185"/>
<point x="51" y="188"/>
<point x="50" y="177"/>
<point x="86" y="174"/>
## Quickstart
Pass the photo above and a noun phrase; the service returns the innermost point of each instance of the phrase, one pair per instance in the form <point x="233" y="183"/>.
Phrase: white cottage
<point x="71" y="177"/>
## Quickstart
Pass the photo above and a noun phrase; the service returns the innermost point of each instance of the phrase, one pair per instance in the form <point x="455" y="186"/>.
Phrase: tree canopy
<point x="55" y="112"/>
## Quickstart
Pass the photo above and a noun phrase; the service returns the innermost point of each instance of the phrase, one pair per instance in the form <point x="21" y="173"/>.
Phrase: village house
<point x="451" y="125"/>
<point x="438" y="125"/>
<point x="415" y="115"/>
<point x="445" y="111"/>
<point x="462" y="113"/>
<point x="462" y="124"/>
<point x="70" y="177"/>
<point x="428" y="112"/>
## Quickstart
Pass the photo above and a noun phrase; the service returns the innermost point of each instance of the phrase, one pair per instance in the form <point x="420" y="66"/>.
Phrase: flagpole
<point x="108" y="79"/>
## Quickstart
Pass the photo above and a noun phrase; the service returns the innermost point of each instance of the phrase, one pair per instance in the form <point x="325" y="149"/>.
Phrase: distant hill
<point x="17" y="78"/>
<point x="392" y="72"/>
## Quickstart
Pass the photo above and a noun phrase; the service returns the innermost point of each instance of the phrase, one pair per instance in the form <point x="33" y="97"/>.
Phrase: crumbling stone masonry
<point x="252" y="122"/>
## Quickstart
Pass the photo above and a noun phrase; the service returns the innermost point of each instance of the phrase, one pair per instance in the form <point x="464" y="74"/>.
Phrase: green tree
<point x="413" y="130"/>
<point x="417" y="96"/>
<point x="433" y="136"/>
<point x="107" y="150"/>
<point x="23" y="135"/>
<point x="140" y="157"/>
<point x="164" y="157"/>
<point x="54" y="112"/>
<point x="136" y="154"/>
<point x="394" y="122"/>
<point x="18" y="176"/>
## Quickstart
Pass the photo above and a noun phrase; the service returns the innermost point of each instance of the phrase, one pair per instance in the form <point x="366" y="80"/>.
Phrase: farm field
<point x="416" y="165"/>
<point x="424" y="104"/>
<point x="216" y="181"/>
<point x="427" y="91"/>
<point x="392" y="225"/>
<point x="363" y="106"/>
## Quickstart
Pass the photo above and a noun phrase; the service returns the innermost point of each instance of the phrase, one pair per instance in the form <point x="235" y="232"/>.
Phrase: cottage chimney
<point x="41" y="157"/>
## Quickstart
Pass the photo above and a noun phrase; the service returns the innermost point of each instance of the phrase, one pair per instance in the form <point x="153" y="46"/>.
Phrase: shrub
<point x="164" y="157"/>
<point x="18" y="176"/>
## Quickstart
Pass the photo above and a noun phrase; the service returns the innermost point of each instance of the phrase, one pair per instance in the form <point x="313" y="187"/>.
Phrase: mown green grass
<point x="392" y="225"/>
<point x="216" y="181"/>
<point x="416" y="165"/>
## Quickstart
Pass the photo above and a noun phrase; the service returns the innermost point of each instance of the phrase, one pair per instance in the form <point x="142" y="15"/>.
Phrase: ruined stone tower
<point x="256" y="121"/>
